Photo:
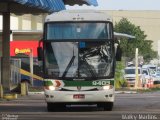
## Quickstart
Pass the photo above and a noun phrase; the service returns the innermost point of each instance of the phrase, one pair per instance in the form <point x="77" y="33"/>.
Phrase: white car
<point x="152" y="69"/>
<point x="156" y="79"/>
<point x="130" y="75"/>
<point x="147" y="75"/>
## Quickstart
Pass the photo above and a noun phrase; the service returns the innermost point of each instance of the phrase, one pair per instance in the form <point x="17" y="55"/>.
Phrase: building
<point x="25" y="22"/>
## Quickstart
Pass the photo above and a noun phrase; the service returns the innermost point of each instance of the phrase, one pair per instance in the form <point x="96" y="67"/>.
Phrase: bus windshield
<point x="78" y="50"/>
<point x="92" y="30"/>
<point x="78" y="59"/>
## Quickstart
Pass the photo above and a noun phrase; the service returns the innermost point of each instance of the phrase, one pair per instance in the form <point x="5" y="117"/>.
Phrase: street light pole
<point x="136" y="70"/>
<point x="31" y="65"/>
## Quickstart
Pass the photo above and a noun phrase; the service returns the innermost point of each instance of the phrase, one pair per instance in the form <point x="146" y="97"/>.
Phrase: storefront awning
<point x="40" y="6"/>
<point x="48" y="5"/>
<point x="81" y="2"/>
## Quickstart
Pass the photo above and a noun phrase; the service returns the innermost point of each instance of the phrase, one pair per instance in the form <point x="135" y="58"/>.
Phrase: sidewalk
<point x="126" y="92"/>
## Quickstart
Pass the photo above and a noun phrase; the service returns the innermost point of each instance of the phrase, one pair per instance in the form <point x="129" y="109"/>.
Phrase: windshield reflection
<point x="78" y="59"/>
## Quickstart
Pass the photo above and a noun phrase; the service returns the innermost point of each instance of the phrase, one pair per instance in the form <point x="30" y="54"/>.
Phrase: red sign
<point x="23" y="47"/>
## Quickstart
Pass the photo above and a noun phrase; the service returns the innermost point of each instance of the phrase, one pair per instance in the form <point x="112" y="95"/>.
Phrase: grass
<point x="119" y="81"/>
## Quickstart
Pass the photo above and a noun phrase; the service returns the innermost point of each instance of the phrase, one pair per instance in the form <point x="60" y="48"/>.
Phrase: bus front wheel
<point x="51" y="107"/>
<point x="55" y="106"/>
<point x="108" y="106"/>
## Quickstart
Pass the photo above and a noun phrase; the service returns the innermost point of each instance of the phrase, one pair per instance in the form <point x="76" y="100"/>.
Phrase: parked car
<point x="157" y="78"/>
<point x="147" y="75"/>
<point x="130" y="76"/>
<point x="152" y="69"/>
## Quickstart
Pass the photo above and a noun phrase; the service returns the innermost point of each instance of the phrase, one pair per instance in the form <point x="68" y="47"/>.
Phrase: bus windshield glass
<point x="79" y="59"/>
<point x="92" y="30"/>
<point x="85" y="50"/>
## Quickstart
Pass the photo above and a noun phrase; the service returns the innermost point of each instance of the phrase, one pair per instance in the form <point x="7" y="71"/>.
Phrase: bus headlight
<point x="107" y="87"/>
<point x="50" y="88"/>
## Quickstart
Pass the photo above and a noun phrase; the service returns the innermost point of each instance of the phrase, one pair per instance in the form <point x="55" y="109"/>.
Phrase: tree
<point x="129" y="46"/>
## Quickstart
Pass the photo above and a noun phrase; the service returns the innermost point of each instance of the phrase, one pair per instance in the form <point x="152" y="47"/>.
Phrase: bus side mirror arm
<point x="40" y="51"/>
<point x="118" y="53"/>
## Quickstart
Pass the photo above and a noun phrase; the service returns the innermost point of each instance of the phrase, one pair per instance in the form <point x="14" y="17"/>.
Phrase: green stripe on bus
<point x="88" y="83"/>
<point x="67" y="83"/>
<point x="48" y="83"/>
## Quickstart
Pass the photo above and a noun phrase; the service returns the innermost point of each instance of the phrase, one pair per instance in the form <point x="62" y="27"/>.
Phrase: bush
<point x="119" y="79"/>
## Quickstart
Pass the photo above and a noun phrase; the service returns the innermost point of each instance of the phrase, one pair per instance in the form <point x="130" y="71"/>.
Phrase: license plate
<point x="78" y="96"/>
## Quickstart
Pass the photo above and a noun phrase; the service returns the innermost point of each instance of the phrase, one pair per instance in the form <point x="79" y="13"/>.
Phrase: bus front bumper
<point x="79" y="96"/>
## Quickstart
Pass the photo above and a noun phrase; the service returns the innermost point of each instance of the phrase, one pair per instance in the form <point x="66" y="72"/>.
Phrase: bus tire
<point x="51" y="107"/>
<point x="108" y="106"/>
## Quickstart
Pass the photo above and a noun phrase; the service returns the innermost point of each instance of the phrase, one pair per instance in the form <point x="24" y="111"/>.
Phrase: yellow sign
<point x="18" y="51"/>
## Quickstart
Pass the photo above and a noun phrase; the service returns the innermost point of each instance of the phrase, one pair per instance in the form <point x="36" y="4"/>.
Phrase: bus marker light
<point x="106" y="96"/>
<point x="51" y="96"/>
<point x="110" y="95"/>
<point x="52" y="88"/>
<point x="47" y="96"/>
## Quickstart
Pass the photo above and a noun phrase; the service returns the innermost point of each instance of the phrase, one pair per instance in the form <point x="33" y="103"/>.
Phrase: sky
<point x="123" y="5"/>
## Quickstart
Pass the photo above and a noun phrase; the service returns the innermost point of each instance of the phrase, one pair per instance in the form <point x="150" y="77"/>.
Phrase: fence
<point x="15" y="72"/>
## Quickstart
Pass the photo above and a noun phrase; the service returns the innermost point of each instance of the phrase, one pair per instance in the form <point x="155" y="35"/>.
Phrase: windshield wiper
<point x="68" y="66"/>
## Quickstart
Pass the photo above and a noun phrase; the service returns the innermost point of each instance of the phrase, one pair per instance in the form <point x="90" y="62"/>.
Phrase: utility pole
<point x="5" y="71"/>
<point x="31" y="65"/>
<point x="136" y="70"/>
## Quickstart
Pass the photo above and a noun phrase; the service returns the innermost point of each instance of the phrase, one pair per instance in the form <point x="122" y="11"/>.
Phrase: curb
<point x="34" y="93"/>
<point x="10" y="96"/>
<point x="126" y="92"/>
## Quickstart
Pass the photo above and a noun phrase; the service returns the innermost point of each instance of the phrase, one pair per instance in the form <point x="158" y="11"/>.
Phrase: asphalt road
<point x="144" y="106"/>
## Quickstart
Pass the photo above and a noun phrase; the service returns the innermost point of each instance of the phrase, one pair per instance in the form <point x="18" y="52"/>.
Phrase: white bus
<point x="78" y="54"/>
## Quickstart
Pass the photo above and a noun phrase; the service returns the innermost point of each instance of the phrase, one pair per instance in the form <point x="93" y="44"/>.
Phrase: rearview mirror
<point x="40" y="53"/>
<point x="118" y="53"/>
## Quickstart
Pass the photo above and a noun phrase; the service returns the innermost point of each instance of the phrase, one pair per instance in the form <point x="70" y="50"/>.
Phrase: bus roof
<point x="78" y="15"/>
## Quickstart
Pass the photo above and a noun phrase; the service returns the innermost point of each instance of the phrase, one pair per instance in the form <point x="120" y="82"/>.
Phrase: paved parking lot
<point x="144" y="106"/>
